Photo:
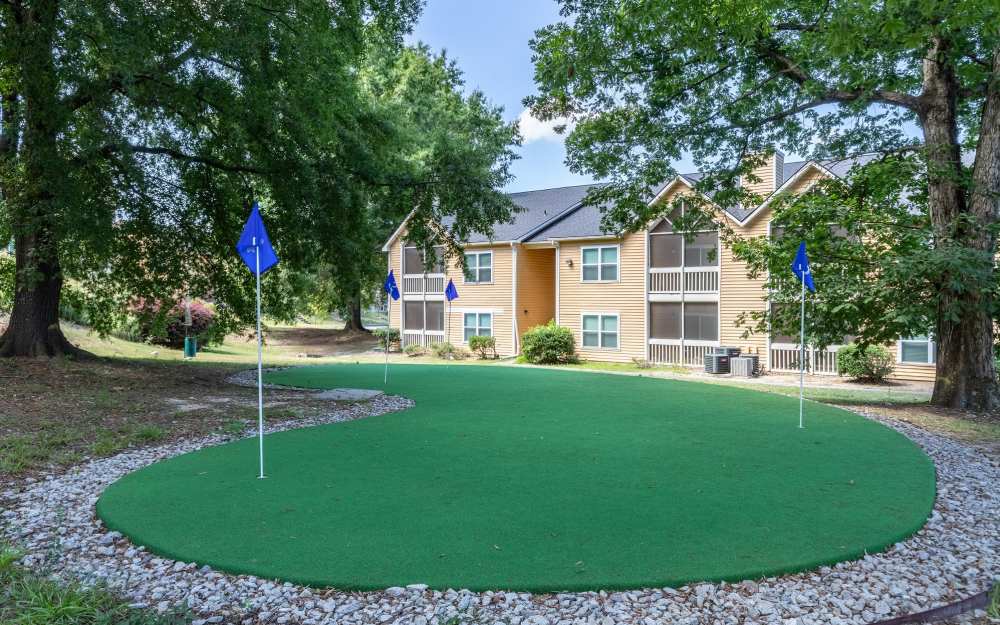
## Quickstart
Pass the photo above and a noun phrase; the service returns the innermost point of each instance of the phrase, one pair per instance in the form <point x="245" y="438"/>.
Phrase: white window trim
<point x="478" y="314"/>
<point x="618" y="263"/>
<point x="931" y="352"/>
<point x="465" y="276"/>
<point x="600" y="324"/>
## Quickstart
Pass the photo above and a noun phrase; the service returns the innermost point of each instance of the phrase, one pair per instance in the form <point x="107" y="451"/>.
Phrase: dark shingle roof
<point x="585" y="221"/>
<point x="557" y="214"/>
<point x="538" y="207"/>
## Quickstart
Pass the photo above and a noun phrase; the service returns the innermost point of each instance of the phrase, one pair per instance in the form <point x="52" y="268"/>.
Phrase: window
<point x="477" y="324"/>
<point x="665" y="320"/>
<point x="413" y="315"/>
<point x="479" y="268"/>
<point x="600" y="264"/>
<point x="702" y="250"/>
<point x="917" y="349"/>
<point x="701" y="321"/>
<point x="673" y="250"/>
<point x="782" y="312"/>
<point x="434" y="316"/>
<point x="600" y="331"/>
<point x="423" y="316"/>
<point x="666" y="250"/>
<point x="414" y="260"/>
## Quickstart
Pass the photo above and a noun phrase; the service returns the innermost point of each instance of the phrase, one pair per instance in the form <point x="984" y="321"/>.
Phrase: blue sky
<point x="489" y="40"/>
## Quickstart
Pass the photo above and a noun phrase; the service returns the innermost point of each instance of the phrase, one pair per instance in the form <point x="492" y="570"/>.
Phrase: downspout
<point x="645" y="296"/>
<point x="558" y="322"/>
<point x="513" y="302"/>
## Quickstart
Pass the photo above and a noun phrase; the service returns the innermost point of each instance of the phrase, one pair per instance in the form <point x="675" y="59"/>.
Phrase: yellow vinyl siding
<point x="536" y="296"/>
<point x="911" y="371"/>
<point x="740" y="295"/>
<point x="769" y="173"/>
<point x="396" y="265"/>
<point x="626" y="297"/>
<point x="496" y="295"/>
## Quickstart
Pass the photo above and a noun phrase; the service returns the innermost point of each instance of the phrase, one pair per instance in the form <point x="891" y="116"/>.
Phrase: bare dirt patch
<point x="318" y="342"/>
<point x="60" y="412"/>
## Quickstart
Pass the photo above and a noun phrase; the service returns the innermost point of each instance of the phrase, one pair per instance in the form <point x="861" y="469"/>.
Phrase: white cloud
<point x="533" y="129"/>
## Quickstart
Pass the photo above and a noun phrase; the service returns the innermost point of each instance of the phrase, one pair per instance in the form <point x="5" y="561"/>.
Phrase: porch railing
<point x="670" y="352"/>
<point x="417" y="284"/>
<point x="696" y="279"/>
<point x="424" y="338"/>
<point x="785" y="358"/>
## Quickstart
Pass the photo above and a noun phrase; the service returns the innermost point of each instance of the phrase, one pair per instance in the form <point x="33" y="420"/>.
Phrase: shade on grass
<point x="532" y="479"/>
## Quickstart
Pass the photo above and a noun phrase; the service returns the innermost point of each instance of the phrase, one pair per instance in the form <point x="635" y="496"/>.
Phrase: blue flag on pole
<point x="253" y="240"/>
<point x="390" y="286"/>
<point x="450" y="291"/>
<point x="800" y="267"/>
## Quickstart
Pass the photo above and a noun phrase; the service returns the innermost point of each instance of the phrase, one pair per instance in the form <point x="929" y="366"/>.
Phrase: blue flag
<point x="451" y="292"/>
<point x="390" y="286"/>
<point x="800" y="267"/>
<point x="254" y="241"/>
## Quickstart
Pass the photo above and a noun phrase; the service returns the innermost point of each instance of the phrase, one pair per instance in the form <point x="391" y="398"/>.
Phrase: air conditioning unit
<point x="716" y="363"/>
<point x="724" y="351"/>
<point x="744" y="366"/>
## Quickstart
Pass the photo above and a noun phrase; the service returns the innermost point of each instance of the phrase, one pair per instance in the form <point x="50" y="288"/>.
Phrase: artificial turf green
<point x="538" y="480"/>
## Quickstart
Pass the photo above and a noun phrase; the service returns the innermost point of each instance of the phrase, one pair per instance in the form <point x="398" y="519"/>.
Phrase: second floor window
<point x="479" y="268"/>
<point x="414" y="260"/>
<point x="600" y="263"/>
<point x="670" y="250"/>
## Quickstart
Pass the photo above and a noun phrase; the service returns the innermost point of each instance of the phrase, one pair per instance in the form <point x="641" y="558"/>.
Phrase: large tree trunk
<point x="34" y="322"/>
<point x="35" y="195"/>
<point x="353" y="321"/>
<point x="966" y="373"/>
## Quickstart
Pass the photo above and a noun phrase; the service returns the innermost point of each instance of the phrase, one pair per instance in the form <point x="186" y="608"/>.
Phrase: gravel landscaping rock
<point x="955" y="555"/>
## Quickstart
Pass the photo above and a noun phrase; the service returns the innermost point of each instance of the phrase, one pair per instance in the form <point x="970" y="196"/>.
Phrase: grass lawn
<point x="535" y="479"/>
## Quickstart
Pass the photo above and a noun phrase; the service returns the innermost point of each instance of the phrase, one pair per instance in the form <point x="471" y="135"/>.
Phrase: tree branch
<point x="117" y="82"/>
<point x="177" y="155"/>
<point x="770" y="52"/>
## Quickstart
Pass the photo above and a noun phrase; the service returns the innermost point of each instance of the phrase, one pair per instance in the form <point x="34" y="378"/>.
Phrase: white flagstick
<point x="802" y="347"/>
<point x="260" y="368"/>
<point x="385" y="337"/>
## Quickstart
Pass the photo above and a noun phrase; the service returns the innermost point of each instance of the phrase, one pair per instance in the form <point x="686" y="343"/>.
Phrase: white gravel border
<point x="954" y="556"/>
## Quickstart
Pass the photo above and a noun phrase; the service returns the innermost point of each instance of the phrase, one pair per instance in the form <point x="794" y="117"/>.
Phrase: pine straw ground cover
<point x="537" y="480"/>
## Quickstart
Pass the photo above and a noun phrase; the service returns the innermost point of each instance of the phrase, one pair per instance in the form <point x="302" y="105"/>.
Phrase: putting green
<point x="534" y="479"/>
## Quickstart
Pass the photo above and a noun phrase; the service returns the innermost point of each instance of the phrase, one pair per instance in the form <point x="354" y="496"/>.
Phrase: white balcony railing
<point x="424" y="338"/>
<point x="418" y="284"/>
<point x="671" y="352"/>
<point x="785" y="357"/>
<point x="696" y="279"/>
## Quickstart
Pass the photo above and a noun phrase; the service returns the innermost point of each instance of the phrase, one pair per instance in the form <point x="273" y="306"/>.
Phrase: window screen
<point x="413" y="315"/>
<point x="701" y="321"/>
<point x="665" y="250"/>
<point x="665" y="320"/>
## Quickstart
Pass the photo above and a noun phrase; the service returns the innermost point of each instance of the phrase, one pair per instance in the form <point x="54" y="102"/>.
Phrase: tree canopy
<point x="649" y="82"/>
<point x="134" y="137"/>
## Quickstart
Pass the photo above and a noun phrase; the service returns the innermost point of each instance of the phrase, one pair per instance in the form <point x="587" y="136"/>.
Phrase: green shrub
<point x="163" y="323"/>
<point x="387" y="334"/>
<point x="549" y="344"/>
<point x="871" y="363"/>
<point x="484" y="346"/>
<point x="414" y="350"/>
<point x="448" y="351"/>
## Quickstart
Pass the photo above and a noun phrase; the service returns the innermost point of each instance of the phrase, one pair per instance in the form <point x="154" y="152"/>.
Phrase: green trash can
<point x="190" y="346"/>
